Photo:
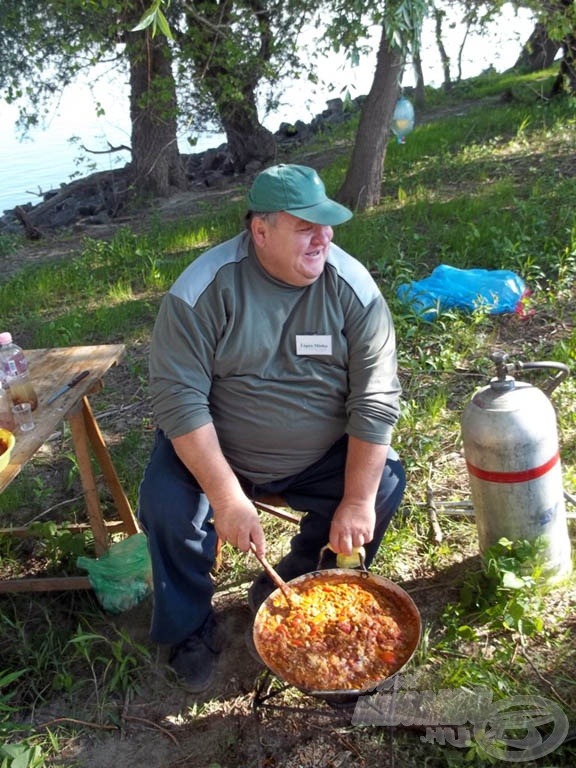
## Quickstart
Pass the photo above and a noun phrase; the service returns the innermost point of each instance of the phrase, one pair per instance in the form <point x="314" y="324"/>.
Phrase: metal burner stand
<point x="264" y="693"/>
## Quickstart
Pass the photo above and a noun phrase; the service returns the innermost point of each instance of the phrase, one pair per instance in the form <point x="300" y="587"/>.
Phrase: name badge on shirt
<point x="316" y="344"/>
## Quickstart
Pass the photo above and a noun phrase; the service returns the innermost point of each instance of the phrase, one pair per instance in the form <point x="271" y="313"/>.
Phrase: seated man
<point x="272" y="371"/>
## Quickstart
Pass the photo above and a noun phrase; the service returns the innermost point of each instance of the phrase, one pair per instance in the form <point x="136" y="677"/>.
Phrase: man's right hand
<point x="235" y="517"/>
<point x="238" y="523"/>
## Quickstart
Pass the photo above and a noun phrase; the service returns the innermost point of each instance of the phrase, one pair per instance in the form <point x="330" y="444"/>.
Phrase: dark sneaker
<point x="194" y="658"/>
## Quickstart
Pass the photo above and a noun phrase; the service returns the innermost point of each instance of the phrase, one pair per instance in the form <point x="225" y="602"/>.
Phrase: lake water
<point x="49" y="157"/>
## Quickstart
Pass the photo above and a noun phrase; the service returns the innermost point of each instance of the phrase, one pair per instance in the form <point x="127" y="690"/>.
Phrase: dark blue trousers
<point x="176" y="517"/>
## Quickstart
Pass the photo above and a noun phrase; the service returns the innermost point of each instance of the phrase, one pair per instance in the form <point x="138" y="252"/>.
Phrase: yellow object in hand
<point x="353" y="560"/>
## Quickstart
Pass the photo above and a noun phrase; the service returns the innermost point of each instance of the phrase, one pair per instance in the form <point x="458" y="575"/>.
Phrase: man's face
<point x="290" y="249"/>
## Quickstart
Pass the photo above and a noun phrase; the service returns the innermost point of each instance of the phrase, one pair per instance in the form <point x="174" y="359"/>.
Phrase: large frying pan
<point x="411" y="628"/>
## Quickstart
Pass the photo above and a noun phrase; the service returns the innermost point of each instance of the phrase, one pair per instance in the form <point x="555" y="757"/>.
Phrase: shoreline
<point x="102" y="197"/>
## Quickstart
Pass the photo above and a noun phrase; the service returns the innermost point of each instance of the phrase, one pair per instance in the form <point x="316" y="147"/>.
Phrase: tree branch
<point x="109" y="151"/>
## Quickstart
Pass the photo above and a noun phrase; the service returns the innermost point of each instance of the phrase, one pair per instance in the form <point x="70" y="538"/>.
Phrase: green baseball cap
<point x="298" y="190"/>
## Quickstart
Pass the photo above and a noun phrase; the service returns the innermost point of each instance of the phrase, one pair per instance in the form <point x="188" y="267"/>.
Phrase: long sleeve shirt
<point x="281" y="371"/>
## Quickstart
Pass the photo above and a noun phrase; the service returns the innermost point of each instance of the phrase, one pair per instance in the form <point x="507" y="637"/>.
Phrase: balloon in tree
<point x="402" y="119"/>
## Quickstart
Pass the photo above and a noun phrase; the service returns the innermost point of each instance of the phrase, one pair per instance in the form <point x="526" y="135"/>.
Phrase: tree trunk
<point x="156" y="162"/>
<point x="362" y="188"/>
<point x="247" y="138"/>
<point x="230" y="74"/>
<point x="538" y="52"/>
<point x="461" y="52"/>
<point x="445" y="59"/>
<point x="420" y="89"/>
<point x="566" y="79"/>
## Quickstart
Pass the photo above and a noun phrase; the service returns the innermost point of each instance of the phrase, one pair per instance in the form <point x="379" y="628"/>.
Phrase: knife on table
<point x="66" y="387"/>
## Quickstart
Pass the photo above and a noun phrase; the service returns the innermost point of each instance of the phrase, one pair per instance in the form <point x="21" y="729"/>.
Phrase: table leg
<point x="93" y="508"/>
<point x="48" y="584"/>
<point x="103" y="457"/>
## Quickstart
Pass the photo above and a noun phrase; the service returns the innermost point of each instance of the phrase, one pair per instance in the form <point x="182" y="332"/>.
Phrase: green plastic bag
<point x="122" y="577"/>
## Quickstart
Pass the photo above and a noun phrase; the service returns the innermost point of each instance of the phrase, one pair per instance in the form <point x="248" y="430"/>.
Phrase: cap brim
<point x="329" y="213"/>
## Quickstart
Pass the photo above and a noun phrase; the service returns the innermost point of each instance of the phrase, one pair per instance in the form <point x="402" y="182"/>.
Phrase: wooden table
<point x="49" y="370"/>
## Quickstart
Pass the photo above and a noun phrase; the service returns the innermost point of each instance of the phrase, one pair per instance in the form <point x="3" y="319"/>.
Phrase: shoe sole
<point x="196" y="689"/>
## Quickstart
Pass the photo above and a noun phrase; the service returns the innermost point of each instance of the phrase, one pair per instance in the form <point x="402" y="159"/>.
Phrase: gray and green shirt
<point x="282" y="372"/>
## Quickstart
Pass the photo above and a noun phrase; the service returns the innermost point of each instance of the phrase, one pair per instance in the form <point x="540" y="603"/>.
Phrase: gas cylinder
<point x="512" y="456"/>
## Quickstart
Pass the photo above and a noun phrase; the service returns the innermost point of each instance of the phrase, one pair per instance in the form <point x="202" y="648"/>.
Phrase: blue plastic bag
<point x="495" y="291"/>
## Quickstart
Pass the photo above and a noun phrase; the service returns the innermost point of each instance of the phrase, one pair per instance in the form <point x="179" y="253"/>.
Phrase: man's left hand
<point x="352" y="526"/>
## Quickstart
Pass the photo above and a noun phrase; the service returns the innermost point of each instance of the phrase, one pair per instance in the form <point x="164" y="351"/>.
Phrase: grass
<point x="490" y="182"/>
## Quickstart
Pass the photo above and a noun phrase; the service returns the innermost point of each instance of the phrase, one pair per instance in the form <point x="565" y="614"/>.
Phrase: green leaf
<point x="511" y="581"/>
<point x="466" y="632"/>
<point x="164" y="26"/>
<point x="146" y="20"/>
<point x="8" y="677"/>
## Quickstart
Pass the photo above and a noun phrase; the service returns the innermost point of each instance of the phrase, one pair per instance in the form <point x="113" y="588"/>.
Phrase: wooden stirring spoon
<point x="292" y="597"/>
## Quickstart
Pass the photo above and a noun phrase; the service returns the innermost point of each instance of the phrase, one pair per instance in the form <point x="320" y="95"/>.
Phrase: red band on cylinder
<point x="514" y="477"/>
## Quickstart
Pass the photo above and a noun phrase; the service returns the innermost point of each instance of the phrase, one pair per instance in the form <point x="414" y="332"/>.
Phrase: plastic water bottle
<point x="15" y="372"/>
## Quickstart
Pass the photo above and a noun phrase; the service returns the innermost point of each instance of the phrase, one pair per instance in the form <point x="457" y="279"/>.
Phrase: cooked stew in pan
<point x="342" y="634"/>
